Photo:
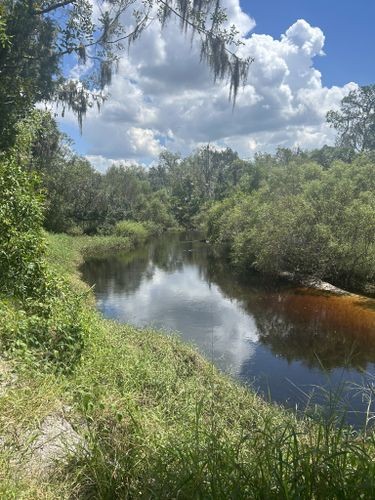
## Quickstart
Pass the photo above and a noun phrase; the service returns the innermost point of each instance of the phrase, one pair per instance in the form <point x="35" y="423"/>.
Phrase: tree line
<point x="81" y="200"/>
<point x="304" y="212"/>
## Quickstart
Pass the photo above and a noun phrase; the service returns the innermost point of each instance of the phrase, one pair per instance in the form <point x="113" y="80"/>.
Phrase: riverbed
<point x="296" y="346"/>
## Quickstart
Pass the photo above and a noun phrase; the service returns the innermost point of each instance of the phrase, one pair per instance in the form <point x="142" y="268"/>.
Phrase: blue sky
<point x="348" y="27"/>
<point x="164" y="96"/>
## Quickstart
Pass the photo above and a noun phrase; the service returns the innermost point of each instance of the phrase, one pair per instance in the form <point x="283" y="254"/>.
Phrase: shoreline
<point x="321" y="285"/>
<point x="314" y="283"/>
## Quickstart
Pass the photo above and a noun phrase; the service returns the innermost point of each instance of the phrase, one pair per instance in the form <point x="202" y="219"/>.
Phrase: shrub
<point x="303" y="220"/>
<point x="74" y="230"/>
<point x="135" y="231"/>
<point x="22" y="246"/>
<point x="50" y="331"/>
<point x="157" y="212"/>
<point x="39" y="314"/>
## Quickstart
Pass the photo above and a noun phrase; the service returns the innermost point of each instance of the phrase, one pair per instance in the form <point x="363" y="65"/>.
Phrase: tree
<point x="38" y="38"/>
<point x="74" y="201"/>
<point x="326" y="155"/>
<point x="22" y="268"/>
<point x="355" y="122"/>
<point x="124" y="190"/>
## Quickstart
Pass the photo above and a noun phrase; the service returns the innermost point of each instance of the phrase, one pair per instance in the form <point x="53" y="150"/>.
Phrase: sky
<point x="308" y="55"/>
<point x="347" y="24"/>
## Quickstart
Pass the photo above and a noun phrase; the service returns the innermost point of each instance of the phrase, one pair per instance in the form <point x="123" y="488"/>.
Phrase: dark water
<point x="281" y="339"/>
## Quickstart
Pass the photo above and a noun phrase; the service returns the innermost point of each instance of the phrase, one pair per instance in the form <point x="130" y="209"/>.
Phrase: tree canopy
<point x="355" y="121"/>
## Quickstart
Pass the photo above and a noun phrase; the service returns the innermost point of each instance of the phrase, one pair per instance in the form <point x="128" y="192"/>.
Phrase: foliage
<point x="39" y="313"/>
<point x="204" y="176"/>
<point x="305" y="220"/>
<point x="29" y="68"/>
<point x="125" y="190"/>
<point x="355" y="121"/>
<point x="49" y="333"/>
<point x="157" y="211"/>
<point x="135" y="231"/>
<point x="21" y="243"/>
<point x="326" y="155"/>
<point x="79" y="199"/>
<point x="74" y="200"/>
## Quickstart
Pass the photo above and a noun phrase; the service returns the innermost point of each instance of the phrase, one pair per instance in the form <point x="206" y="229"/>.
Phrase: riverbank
<point x="314" y="283"/>
<point x="145" y="416"/>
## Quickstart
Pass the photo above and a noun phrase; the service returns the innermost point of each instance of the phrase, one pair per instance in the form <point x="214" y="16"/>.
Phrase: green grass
<point x="159" y="421"/>
<point x="66" y="253"/>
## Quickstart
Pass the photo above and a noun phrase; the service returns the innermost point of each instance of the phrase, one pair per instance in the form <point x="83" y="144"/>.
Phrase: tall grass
<point x="172" y="427"/>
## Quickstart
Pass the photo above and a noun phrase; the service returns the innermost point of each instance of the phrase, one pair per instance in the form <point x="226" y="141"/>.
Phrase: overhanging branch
<point x="53" y="7"/>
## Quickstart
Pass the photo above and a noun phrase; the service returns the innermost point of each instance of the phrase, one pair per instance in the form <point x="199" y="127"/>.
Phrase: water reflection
<point x="250" y="327"/>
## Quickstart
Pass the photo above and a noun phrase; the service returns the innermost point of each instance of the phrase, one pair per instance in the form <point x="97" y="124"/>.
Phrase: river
<point x="292" y="344"/>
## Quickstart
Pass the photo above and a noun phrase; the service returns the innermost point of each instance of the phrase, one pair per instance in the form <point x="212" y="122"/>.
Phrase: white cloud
<point x="305" y="37"/>
<point x="143" y="141"/>
<point x="100" y="162"/>
<point x="164" y="96"/>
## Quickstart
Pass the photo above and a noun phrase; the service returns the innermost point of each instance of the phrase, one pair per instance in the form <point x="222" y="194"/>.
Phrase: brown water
<point x="284" y="340"/>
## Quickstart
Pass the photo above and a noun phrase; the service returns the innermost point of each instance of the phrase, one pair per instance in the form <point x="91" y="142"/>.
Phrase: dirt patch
<point x="54" y="442"/>
<point x="324" y="286"/>
<point x="315" y="283"/>
<point x="8" y="377"/>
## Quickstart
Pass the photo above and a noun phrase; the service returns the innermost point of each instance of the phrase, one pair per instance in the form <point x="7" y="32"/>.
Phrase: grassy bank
<point x="152" y="419"/>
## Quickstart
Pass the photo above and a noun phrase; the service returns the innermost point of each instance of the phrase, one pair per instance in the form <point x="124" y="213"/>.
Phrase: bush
<point x="135" y="231"/>
<point x="51" y="333"/>
<point x="74" y="231"/>
<point x="157" y="212"/>
<point x="105" y="229"/>
<point x="22" y="246"/>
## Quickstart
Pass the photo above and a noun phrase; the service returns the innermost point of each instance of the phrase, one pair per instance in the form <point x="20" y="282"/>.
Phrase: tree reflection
<point x="319" y="329"/>
<point x="118" y="273"/>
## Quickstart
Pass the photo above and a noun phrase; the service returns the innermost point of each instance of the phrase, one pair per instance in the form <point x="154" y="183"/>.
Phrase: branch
<point x="192" y="25"/>
<point x="100" y="39"/>
<point x="55" y="6"/>
<point x="129" y="35"/>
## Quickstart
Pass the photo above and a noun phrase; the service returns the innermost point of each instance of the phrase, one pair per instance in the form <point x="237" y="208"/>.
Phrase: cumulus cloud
<point x="163" y="96"/>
